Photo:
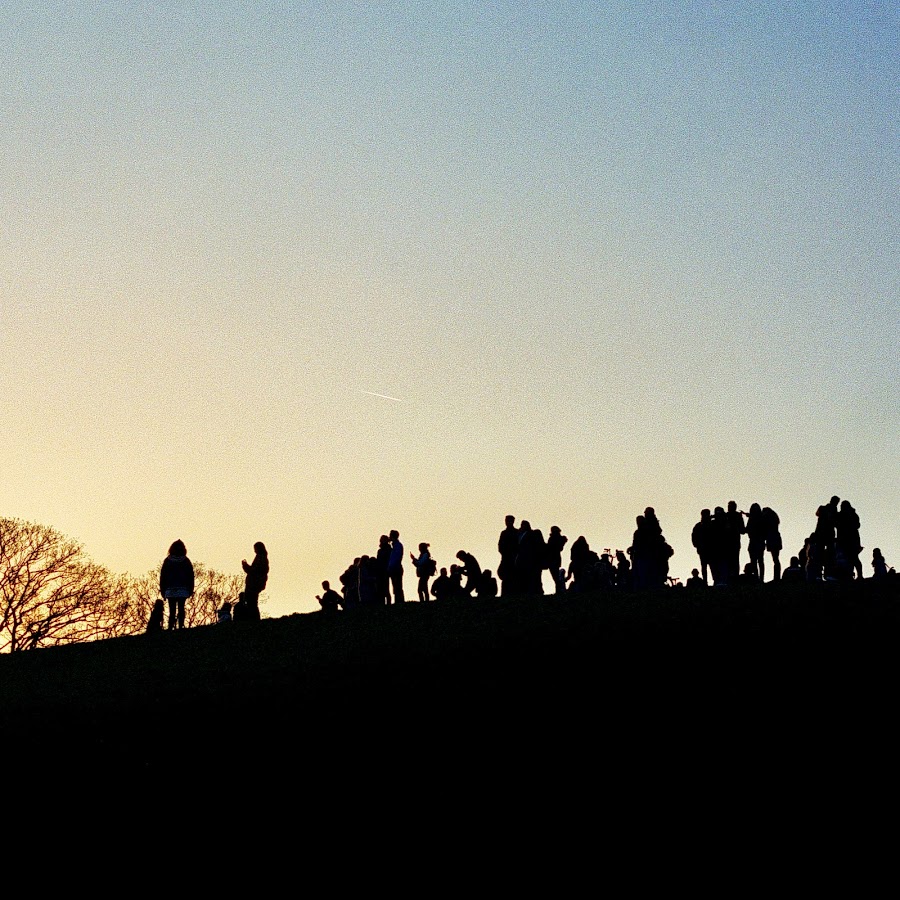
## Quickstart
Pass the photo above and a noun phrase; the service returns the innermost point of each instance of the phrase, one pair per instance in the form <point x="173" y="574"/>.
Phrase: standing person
<point x="382" y="558"/>
<point x="734" y="520"/>
<point x="773" y="540"/>
<point x="701" y="538"/>
<point x="756" y="541"/>
<point x="367" y="572"/>
<point x="257" y="578"/>
<point x="425" y="568"/>
<point x="176" y="582"/>
<point x="556" y="540"/>
<point x="508" y="546"/>
<point x="718" y="547"/>
<point x="395" y="567"/>
<point x="848" y="537"/>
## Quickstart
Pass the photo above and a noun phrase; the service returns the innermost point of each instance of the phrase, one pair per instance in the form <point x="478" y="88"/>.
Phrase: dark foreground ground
<point x="419" y="681"/>
<point x="669" y="736"/>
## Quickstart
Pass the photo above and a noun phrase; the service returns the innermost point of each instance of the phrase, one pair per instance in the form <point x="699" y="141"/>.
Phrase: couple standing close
<point x="389" y="561"/>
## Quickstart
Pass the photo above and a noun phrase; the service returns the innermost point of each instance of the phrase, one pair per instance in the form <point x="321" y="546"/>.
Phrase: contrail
<point x="383" y="396"/>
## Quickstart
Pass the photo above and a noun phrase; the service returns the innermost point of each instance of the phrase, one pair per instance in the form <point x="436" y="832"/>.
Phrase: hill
<point x="632" y="681"/>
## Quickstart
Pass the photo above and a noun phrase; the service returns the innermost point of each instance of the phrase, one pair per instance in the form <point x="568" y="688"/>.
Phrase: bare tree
<point x="51" y="593"/>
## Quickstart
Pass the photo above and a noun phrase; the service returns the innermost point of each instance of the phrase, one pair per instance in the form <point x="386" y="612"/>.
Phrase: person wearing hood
<point x="176" y="582"/>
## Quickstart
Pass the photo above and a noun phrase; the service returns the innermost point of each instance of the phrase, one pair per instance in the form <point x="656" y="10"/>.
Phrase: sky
<point x="601" y="255"/>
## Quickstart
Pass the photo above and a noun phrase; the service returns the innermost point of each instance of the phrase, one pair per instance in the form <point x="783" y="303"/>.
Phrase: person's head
<point x="486" y="573"/>
<point x="423" y="547"/>
<point x="510" y="521"/>
<point x="876" y="553"/>
<point x="732" y="505"/>
<point x="755" y="509"/>
<point x="639" y="520"/>
<point x="394" y="535"/>
<point x="835" y="500"/>
<point x="178" y="549"/>
<point x="226" y="606"/>
<point x="260" y="548"/>
<point x="444" y="571"/>
<point x="795" y="562"/>
<point x="650" y="512"/>
<point x="461" y="554"/>
<point x="384" y="539"/>
<point x="326" y="586"/>
<point x="525" y="526"/>
<point x="555" y="529"/>
<point x="705" y="514"/>
<point x="695" y="573"/>
<point x="845" y="505"/>
<point x="719" y="512"/>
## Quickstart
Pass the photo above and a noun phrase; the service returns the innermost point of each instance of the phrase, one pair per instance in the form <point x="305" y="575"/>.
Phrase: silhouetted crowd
<point x="830" y="553"/>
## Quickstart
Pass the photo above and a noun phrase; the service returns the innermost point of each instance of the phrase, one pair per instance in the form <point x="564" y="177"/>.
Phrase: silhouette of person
<point x="649" y="552"/>
<point x="847" y="537"/>
<point x="176" y="582"/>
<point x="367" y="572"/>
<point x="794" y="572"/>
<point x="623" y="571"/>
<point x="749" y="575"/>
<point x="224" y="613"/>
<point x="350" y="586"/>
<point x="257" y="577"/>
<point x="556" y="540"/>
<point x="735" y="527"/>
<point x="240" y="613"/>
<point x="442" y="589"/>
<point x="455" y="591"/>
<point x="756" y="540"/>
<point x="155" y="622"/>
<point x="579" y="560"/>
<point x="695" y="581"/>
<point x="879" y="564"/>
<point x="773" y="540"/>
<point x="531" y="559"/>
<point x="329" y="600"/>
<point x="701" y="538"/>
<point x="718" y="547"/>
<point x="424" y="566"/>
<point x="508" y="546"/>
<point x="382" y="558"/>
<point x="471" y="568"/>
<point x="487" y="590"/>
<point x="395" y="567"/>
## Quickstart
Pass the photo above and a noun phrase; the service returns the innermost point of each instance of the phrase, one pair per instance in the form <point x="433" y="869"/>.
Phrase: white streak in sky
<point x="383" y="396"/>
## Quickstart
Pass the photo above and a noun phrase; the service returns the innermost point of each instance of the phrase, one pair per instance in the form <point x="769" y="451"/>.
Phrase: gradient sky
<point x="605" y="255"/>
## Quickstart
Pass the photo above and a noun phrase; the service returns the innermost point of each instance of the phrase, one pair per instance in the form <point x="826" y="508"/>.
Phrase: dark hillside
<point x="634" y="681"/>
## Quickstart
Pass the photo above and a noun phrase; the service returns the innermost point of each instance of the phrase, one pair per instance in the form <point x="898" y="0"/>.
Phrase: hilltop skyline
<point x="305" y="275"/>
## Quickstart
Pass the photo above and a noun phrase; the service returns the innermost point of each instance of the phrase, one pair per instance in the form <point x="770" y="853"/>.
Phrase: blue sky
<point x="607" y="255"/>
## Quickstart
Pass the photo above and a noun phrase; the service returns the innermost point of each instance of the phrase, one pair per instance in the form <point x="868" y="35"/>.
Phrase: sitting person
<point x="749" y="575"/>
<point x="695" y="581"/>
<point x="330" y="600"/>
<point x="487" y="588"/>
<point x="879" y="564"/>
<point x="442" y="589"/>
<point x="224" y="613"/>
<point x="794" y="572"/>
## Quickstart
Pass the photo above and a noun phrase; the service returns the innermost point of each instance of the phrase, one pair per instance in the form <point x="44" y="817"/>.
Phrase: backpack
<point x="429" y="567"/>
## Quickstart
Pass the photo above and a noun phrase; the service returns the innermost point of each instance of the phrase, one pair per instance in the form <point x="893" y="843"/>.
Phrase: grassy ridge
<point x="471" y="680"/>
